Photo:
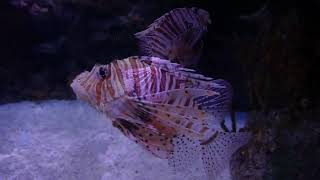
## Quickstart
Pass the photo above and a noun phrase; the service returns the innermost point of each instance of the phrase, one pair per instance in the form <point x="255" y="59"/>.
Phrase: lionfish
<point x="170" y="110"/>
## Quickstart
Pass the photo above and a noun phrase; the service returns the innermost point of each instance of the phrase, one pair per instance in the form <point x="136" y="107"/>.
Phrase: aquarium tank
<point x="159" y="90"/>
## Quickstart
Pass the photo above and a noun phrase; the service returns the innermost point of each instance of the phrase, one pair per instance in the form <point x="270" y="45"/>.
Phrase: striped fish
<point x="176" y="36"/>
<point x="171" y="111"/>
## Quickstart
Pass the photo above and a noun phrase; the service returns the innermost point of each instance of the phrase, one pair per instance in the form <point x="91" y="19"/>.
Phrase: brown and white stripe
<point x="163" y="36"/>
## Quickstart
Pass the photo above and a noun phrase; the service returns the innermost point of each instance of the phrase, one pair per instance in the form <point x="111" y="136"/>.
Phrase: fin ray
<point x="180" y="30"/>
<point x="152" y="140"/>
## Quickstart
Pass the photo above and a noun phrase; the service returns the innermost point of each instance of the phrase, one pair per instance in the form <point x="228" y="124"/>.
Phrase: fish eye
<point x="103" y="72"/>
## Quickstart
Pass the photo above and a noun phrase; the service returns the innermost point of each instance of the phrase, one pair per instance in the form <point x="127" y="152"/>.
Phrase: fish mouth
<point x="81" y="83"/>
<point x="80" y="79"/>
<point x="77" y="84"/>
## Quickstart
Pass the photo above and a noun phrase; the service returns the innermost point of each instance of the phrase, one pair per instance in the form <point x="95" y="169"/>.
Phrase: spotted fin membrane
<point x="217" y="154"/>
<point x="214" y="154"/>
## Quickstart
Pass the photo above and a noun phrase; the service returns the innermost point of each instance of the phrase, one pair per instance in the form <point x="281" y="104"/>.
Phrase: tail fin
<point x="176" y="36"/>
<point x="214" y="155"/>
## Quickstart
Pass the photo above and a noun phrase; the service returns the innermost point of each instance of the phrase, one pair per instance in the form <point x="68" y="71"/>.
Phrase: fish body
<point x="163" y="107"/>
<point x="146" y="79"/>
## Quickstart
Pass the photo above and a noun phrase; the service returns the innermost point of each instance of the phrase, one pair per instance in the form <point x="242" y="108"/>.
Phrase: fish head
<point x="94" y="87"/>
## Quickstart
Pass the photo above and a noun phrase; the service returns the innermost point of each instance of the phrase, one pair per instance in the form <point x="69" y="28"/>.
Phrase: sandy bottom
<point x="70" y="140"/>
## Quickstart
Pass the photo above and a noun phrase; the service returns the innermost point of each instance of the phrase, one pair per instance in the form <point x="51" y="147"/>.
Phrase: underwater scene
<point x="159" y="90"/>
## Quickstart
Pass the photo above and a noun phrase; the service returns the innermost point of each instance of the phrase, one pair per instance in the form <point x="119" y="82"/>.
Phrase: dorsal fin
<point x="176" y="36"/>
